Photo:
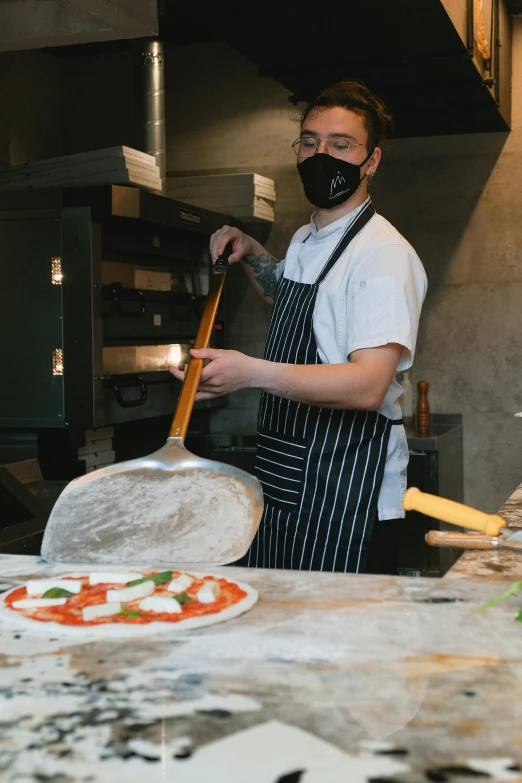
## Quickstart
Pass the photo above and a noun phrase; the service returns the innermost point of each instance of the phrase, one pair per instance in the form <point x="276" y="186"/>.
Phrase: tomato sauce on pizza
<point x="228" y="593"/>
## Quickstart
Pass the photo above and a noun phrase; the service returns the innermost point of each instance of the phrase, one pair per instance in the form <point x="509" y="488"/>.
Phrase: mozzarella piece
<point x="208" y="593"/>
<point x="100" y="610"/>
<point x="112" y="577"/>
<point x="180" y="583"/>
<point x="33" y="603"/>
<point x="131" y="593"/>
<point x="40" y="586"/>
<point x="156" y="603"/>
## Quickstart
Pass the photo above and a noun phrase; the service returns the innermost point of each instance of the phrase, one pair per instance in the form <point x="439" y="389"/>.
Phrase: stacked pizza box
<point x="110" y="166"/>
<point x="247" y="196"/>
<point x="97" y="451"/>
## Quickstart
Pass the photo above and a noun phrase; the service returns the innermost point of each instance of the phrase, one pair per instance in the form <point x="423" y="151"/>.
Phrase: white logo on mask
<point x="338" y="180"/>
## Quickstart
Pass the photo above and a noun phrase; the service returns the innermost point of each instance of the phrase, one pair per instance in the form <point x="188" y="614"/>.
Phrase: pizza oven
<point x="102" y="292"/>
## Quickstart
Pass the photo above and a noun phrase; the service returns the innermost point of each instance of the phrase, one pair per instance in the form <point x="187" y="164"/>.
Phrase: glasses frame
<point x="317" y="139"/>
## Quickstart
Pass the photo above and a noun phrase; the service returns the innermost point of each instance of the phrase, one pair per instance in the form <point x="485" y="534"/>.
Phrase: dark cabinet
<point x="435" y="466"/>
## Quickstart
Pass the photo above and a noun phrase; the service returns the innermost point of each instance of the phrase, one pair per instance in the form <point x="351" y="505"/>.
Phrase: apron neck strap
<point x="351" y="232"/>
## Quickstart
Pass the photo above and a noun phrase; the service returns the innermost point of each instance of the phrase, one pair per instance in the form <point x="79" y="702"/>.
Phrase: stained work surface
<point x="330" y="677"/>
<point x="495" y="565"/>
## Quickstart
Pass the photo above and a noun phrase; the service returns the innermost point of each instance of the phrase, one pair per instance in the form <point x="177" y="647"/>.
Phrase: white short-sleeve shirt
<point x="372" y="296"/>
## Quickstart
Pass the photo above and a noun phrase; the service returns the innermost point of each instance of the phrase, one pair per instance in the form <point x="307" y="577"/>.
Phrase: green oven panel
<point x="31" y="392"/>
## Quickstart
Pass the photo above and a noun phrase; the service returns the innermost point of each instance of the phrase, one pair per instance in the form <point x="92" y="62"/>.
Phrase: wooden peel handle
<point x="450" y="511"/>
<point x="188" y="391"/>
<point x="459" y="540"/>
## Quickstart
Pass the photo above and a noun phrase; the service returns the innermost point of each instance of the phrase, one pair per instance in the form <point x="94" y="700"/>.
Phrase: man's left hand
<point x="226" y="372"/>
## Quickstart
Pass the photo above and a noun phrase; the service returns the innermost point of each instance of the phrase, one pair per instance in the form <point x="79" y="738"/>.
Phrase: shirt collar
<point x="338" y="226"/>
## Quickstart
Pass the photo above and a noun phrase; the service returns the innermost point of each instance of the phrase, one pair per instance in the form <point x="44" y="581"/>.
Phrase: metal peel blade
<point x="169" y="507"/>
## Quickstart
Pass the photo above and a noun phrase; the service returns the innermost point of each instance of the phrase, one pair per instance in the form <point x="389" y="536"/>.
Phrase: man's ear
<point x="374" y="161"/>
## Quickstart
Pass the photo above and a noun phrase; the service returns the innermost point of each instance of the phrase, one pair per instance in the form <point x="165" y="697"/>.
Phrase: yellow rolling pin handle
<point x="452" y="512"/>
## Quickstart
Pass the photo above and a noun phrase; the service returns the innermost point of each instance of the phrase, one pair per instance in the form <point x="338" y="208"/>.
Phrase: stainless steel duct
<point x="150" y="101"/>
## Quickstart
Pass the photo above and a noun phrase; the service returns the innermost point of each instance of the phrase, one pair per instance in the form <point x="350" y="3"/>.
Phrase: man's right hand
<point x="242" y="244"/>
<point x="259" y="265"/>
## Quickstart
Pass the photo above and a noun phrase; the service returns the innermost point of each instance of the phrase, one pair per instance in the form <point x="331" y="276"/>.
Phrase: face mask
<point x="329" y="181"/>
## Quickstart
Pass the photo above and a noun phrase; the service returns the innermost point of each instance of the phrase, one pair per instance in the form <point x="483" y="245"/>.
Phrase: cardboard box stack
<point x="249" y="197"/>
<point x="110" y="166"/>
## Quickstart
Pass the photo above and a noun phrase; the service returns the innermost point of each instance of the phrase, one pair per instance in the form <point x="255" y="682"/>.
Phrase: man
<point x="332" y="453"/>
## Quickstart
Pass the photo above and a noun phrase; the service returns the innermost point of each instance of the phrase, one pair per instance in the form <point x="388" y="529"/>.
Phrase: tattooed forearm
<point x="263" y="267"/>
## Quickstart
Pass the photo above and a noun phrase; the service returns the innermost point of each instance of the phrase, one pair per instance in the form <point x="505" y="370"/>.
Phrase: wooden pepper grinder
<point x="423" y="410"/>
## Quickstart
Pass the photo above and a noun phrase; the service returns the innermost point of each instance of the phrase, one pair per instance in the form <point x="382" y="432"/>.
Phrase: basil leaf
<point x="57" y="592"/>
<point x="130" y="612"/>
<point x="512" y="590"/>
<point x="182" y="598"/>
<point x="158" y="579"/>
<point x="518" y="618"/>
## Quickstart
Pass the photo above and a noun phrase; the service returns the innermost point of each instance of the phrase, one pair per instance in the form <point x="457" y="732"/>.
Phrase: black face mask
<point x="329" y="181"/>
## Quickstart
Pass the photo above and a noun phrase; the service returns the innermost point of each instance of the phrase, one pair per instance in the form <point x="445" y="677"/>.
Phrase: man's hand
<point x="226" y="372"/>
<point x="259" y="265"/>
<point x="242" y="244"/>
<point x="360" y="384"/>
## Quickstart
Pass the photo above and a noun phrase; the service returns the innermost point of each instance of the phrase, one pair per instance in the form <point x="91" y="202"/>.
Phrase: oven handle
<point x="141" y="400"/>
<point x="131" y="294"/>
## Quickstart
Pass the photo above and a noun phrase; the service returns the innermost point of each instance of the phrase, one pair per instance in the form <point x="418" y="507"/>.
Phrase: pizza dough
<point x="109" y="630"/>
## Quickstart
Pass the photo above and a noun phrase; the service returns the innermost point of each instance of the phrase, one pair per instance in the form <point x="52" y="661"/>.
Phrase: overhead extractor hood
<point x="422" y="57"/>
<point x="32" y="24"/>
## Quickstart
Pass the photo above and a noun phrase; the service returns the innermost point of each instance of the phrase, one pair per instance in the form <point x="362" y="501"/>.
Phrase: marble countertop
<point x="330" y="678"/>
<point x="499" y="564"/>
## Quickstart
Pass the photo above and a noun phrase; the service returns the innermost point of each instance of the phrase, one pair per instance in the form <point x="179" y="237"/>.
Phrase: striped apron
<point x="321" y="469"/>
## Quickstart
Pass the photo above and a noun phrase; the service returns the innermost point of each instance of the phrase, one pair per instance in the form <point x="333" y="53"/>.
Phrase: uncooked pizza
<point x="126" y="603"/>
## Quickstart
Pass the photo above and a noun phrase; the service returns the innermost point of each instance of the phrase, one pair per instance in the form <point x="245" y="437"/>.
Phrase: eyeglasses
<point x="336" y="146"/>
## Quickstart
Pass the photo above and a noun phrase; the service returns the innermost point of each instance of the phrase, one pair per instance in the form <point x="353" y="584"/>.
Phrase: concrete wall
<point x="223" y="118"/>
<point x="30" y="97"/>
<point x="98" y="110"/>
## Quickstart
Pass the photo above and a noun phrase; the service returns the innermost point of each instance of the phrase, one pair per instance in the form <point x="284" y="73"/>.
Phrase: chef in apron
<point x="331" y="450"/>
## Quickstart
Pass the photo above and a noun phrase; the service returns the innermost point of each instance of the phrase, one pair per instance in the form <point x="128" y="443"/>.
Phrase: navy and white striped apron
<point x="321" y="469"/>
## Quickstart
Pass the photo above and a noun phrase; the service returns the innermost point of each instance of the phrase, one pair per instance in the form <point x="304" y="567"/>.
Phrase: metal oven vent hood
<point x="422" y="57"/>
<point x="31" y="24"/>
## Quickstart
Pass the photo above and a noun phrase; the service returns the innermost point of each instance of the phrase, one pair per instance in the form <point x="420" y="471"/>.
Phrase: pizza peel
<point x="170" y="507"/>
<point x="490" y="529"/>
